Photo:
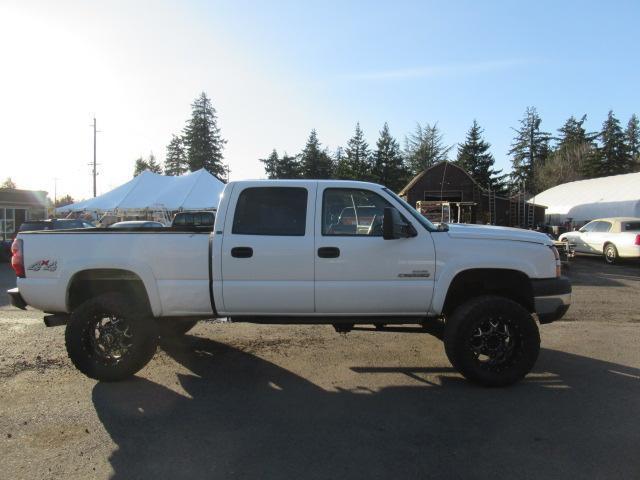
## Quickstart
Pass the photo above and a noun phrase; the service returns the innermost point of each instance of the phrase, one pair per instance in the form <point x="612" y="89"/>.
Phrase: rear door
<point x="267" y="249"/>
<point x="597" y="236"/>
<point x="357" y="271"/>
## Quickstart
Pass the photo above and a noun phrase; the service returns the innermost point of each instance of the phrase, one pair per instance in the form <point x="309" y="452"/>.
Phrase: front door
<point x="356" y="270"/>
<point x="267" y="250"/>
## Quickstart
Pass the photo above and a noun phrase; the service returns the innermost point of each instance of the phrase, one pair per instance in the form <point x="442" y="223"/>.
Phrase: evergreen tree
<point x="271" y="164"/>
<point x="424" y="148"/>
<point x="632" y="134"/>
<point x="388" y="164"/>
<point x="570" y="157"/>
<point x="176" y="158"/>
<point x="8" y="184"/>
<point x="150" y="164"/>
<point x="343" y="169"/>
<point x="63" y="201"/>
<point x="612" y="156"/>
<point x="202" y="138"/>
<point x="315" y="162"/>
<point x="289" y="167"/>
<point x="475" y="158"/>
<point x="357" y="160"/>
<point x="281" y="168"/>
<point x="529" y="151"/>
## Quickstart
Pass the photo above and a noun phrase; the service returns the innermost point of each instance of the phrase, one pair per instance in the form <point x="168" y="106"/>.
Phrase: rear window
<point x="271" y="211"/>
<point x="32" y="226"/>
<point x="631" y="226"/>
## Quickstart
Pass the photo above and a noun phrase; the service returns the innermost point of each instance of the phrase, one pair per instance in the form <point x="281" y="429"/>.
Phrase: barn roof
<point x="446" y="165"/>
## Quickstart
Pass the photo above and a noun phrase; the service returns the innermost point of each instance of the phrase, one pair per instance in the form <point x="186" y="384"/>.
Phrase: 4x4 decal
<point x="47" y="265"/>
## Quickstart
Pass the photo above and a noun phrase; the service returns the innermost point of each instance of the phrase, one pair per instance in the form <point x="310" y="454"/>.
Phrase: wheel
<point x="109" y="339"/>
<point x="170" y="328"/>
<point x="492" y="341"/>
<point x="610" y="253"/>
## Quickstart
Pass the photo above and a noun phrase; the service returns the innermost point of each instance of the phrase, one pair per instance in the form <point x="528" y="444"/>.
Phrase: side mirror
<point x="393" y="225"/>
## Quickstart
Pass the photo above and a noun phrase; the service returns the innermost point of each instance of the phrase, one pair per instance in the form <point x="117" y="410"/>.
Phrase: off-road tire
<point x="465" y="321"/>
<point x="610" y="254"/>
<point x="142" y="328"/>
<point x="172" y="328"/>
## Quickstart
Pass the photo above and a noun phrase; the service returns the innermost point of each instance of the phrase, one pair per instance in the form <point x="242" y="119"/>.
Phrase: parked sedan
<point x="614" y="238"/>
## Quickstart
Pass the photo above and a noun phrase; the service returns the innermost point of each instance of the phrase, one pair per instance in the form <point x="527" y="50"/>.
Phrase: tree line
<point x="200" y="145"/>
<point x="539" y="159"/>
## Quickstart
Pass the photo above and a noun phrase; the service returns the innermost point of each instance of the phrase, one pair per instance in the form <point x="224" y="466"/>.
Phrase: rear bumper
<point x="16" y="299"/>
<point x="552" y="298"/>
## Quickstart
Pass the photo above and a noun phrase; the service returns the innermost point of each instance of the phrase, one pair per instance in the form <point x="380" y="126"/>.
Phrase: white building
<point x="584" y="200"/>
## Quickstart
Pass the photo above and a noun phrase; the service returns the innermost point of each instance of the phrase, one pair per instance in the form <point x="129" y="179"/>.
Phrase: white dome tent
<point x="198" y="190"/>
<point x="584" y="200"/>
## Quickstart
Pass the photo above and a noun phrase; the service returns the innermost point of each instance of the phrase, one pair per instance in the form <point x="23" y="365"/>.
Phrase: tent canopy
<point x="198" y="190"/>
<point x="584" y="200"/>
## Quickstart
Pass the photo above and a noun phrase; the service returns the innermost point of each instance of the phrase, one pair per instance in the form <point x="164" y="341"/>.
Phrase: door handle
<point x="242" y="252"/>
<point x="328" y="252"/>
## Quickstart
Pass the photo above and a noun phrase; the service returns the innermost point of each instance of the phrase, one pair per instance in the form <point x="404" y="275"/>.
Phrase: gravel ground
<point x="251" y="401"/>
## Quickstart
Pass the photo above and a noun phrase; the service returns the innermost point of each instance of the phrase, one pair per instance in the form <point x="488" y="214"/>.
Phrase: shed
<point x="471" y="202"/>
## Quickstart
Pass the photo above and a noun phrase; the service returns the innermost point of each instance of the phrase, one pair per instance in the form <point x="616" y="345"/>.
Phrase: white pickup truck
<point x="297" y="252"/>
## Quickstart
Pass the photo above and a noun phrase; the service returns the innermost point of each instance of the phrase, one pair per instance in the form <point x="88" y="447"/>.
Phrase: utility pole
<point x="94" y="157"/>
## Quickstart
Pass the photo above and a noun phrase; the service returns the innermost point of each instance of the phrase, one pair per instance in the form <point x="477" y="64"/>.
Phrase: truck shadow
<point x="244" y="417"/>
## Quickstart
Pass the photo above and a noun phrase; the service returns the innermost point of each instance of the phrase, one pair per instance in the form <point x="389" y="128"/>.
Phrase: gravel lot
<point x="250" y="401"/>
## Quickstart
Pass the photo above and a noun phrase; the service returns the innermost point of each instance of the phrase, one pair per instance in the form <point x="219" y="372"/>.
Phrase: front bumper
<point x="551" y="298"/>
<point x="16" y="299"/>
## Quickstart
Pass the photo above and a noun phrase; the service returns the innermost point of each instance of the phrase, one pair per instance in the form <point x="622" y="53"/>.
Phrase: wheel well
<point x="90" y="283"/>
<point x="482" y="281"/>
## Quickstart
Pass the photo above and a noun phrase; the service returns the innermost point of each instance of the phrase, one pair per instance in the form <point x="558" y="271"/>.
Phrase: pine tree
<point x="612" y="156"/>
<point x="343" y="169"/>
<point x="289" y="167"/>
<point x="529" y="151"/>
<point x="150" y="164"/>
<point x="314" y="161"/>
<point x="176" y="159"/>
<point x="271" y="164"/>
<point x="8" y="184"/>
<point x="357" y="161"/>
<point x="424" y="148"/>
<point x="475" y="158"/>
<point x="570" y="157"/>
<point x="388" y="163"/>
<point x="202" y="138"/>
<point x="632" y="137"/>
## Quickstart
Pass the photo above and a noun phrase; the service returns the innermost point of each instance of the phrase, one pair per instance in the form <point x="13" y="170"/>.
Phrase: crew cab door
<point x="267" y="249"/>
<point x="356" y="270"/>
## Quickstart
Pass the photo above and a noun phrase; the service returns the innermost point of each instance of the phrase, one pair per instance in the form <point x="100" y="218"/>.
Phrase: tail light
<point x="17" y="257"/>
<point x="637" y="242"/>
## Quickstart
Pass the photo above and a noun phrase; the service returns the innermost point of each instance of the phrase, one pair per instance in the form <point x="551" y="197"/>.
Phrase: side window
<point x="271" y="211"/>
<point x="588" y="227"/>
<point x="602" y="227"/>
<point x="349" y="212"/>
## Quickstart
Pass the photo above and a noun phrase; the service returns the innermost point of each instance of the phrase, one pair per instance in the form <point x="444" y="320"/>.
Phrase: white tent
<point x="198" y="190"/>
<point x="584" y="200"/>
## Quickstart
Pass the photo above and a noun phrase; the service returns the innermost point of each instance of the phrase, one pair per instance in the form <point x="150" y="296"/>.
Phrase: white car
<point x="297" y="252"/>
<point x="614" y="238"/>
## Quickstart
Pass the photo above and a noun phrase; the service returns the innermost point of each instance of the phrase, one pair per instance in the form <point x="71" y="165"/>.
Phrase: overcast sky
<point x="275" y="70"/>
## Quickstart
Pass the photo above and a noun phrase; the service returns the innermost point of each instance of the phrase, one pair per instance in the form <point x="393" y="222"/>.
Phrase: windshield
<point x="413" y="212"/>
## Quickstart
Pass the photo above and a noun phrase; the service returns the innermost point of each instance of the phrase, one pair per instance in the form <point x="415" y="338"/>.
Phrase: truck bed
<point x="172" y="264"/>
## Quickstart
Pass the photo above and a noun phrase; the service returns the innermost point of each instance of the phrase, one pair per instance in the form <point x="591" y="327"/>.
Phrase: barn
<point x="446" y="184"/>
